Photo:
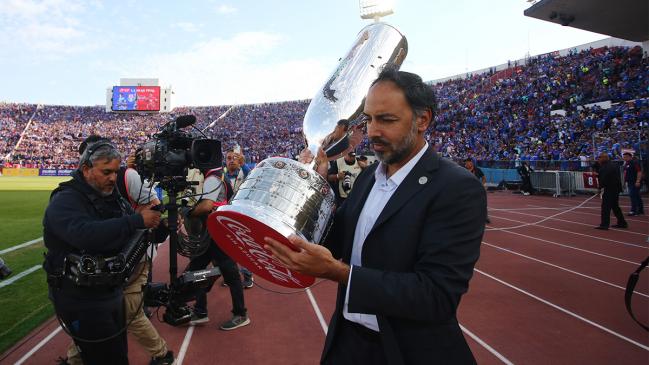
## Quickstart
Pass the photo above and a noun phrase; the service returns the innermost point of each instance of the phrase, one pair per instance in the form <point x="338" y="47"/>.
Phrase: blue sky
<point x="221" y="52"/>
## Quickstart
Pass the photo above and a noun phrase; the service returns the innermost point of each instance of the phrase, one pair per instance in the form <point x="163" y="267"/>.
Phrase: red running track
<point x="548" y="289"/>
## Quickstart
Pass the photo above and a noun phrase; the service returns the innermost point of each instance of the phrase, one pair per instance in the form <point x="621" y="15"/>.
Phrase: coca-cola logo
<point x="239" y="235"/>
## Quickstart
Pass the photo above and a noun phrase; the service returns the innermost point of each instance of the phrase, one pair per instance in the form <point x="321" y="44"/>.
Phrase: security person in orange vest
<point x="217" y="191"/>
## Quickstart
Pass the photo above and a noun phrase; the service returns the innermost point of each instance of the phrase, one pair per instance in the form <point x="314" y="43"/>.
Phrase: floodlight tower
<point x="375" y="9"/>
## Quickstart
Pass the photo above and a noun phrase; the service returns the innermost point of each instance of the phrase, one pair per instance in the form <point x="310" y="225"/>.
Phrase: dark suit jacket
<point x="522" y="170"/>
<point x="417" y="260"/>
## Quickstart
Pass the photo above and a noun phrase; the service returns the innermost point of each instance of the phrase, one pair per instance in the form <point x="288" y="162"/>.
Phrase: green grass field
<point x="24" y="303"/>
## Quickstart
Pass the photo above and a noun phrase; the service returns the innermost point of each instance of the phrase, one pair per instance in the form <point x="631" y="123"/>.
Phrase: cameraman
<point x="218" y="191"/>
<point x="87" y="215"/>
<point x="345" y="171"/>
<point x="130" y="187"/>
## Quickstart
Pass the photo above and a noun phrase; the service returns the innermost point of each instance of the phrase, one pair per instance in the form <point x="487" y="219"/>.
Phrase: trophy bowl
<point x="281" y="196"/>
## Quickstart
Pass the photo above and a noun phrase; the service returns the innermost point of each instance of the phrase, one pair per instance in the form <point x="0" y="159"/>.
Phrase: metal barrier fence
<point x="547" y="180"/>
<point x="568" y="183"/>
<point x="537" y="164"/>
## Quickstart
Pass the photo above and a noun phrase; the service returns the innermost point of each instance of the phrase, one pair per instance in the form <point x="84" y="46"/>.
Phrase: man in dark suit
<point x="408" y="234"/>
<point x="524" y="172"/>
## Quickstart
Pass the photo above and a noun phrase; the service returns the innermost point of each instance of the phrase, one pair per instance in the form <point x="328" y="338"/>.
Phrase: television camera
<point x="165" y="160"/>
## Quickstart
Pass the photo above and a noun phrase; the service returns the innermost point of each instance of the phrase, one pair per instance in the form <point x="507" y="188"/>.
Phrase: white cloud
<point x="50" y="28"/>
<point x="187" y="27"/>
<point x="240" y="69"/>
<point x="225" y="9"/>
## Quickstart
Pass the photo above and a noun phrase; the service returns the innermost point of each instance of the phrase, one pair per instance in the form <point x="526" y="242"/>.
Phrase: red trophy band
<point x="242" y="238"/>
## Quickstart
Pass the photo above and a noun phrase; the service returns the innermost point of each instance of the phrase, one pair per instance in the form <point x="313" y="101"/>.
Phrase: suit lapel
<point x="411" y="185"/>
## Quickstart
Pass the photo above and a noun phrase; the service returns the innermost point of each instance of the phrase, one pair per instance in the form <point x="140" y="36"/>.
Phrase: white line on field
<point x="566" y="311"/>
<point x="37" y="347"/>
<point x="183" y="348"/>
<point x="563" y="268"/>
<point x="478" y="340"/>
<point x="317" y="311"/>
<point x="20" y="246"/>
<point x="24" y="273"/>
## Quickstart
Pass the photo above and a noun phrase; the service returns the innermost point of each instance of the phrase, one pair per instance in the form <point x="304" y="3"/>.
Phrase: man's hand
<point x="130" y="162"/>
<point x="312" y="259"/>
<point x="166" y="222"/>
<point x="151" y="217"/>
<point x="599" y="192"/>
<point x="306" y="157"/>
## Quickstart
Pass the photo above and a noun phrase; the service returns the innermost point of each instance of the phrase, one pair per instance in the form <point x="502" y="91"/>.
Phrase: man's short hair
<point x="419" y="95"/>
<point x="91" y="139"/>
<point x="627" y="154"/>
<point x="228" y="151"/>
<point x="344" y="123"/>
<point x="468" y="159"/>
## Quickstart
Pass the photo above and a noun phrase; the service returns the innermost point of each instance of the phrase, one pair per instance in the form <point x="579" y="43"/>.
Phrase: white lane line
<point x="542" y="220"/>
<point x="478" y="340"/>
<point x="517" y="209"/>
<point x="317" y="311"/>
<point x="566" y="311"/>
<point x="563" y="268"/>
<point x="599" y="215"/>
<point x="21" y="245"/>
<point x="560" y="230"/>
<point x="573" y="248"/>
<point x="580" y="223"/>
<point x="24" y="273"/>
<point x="183" y="348"/>
<point x="37" y="347"/>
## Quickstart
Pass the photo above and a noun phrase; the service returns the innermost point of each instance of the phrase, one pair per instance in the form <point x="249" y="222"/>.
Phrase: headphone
<point x="92" y="149"/>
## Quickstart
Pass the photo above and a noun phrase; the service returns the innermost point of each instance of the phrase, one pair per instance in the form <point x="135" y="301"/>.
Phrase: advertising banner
<point x="20" y="172"/>
<point x="136" y="98"/>
<point x="55" y="172"/>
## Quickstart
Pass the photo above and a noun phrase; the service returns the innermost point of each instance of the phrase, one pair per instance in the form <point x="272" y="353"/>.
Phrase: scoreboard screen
<point x="136" y="98"/>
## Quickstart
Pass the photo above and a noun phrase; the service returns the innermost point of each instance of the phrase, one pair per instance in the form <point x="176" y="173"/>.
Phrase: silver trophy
<point x="282" y="196"/>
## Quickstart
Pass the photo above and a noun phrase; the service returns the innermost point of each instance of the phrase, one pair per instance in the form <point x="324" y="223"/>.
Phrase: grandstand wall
<point x="607" y="42"/>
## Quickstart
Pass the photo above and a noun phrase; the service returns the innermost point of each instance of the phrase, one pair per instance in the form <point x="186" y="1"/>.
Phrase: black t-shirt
<point x="596" y="166"/>
<point x="478" y="173"/>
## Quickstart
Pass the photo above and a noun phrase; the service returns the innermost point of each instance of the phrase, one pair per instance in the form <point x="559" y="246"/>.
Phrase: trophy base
<point x="242" y="238"/>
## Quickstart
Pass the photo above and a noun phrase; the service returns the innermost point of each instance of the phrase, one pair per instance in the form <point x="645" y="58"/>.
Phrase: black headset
<point x="92" y="149"/>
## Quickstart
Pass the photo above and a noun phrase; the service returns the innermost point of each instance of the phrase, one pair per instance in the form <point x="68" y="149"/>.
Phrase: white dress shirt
<point x="379" y="196"/>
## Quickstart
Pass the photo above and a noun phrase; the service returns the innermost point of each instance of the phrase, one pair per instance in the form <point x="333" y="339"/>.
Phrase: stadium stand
<point x="545" y="111"/>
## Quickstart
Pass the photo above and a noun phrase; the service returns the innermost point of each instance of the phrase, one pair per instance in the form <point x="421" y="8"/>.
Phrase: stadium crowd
<point x="496" y="120"/>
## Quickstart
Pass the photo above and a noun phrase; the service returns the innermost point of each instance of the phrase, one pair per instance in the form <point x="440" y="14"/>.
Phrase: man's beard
<point x="93" y="182"/>
<point x="398" y="151"/>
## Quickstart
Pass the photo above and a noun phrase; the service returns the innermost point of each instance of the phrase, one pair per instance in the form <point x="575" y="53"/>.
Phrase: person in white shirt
<point x="408" y="234"/>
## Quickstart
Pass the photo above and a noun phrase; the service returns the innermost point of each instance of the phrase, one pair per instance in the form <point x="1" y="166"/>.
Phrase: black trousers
<point x="349" y="348"/>
<point x="527" y="184"/>
<point x="230" y="272"/>
<point x="610" y="200"/>
<point x="96" y="324"/>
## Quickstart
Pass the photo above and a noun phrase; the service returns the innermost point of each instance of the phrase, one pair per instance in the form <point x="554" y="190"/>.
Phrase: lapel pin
<point x="423" y="180"/>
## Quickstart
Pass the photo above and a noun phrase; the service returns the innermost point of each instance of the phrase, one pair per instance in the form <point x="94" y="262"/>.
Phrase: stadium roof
<point x="626" y="19"/>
